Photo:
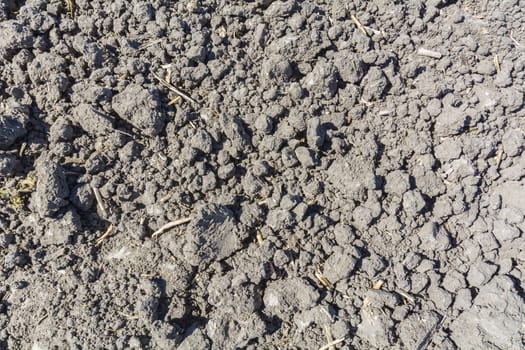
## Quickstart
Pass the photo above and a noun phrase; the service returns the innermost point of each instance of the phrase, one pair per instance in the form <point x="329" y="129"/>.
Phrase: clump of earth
<point x="288" y="174"/>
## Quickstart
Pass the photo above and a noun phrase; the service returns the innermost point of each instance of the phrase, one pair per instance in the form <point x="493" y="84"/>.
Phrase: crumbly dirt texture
<point x="338" y="174"/>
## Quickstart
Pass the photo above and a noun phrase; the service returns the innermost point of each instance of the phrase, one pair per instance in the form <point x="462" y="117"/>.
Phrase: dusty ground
<point x="346" y="172"/>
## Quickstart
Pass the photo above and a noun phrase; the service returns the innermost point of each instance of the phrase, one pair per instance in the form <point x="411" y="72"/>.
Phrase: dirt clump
<point x="266" y="174"/>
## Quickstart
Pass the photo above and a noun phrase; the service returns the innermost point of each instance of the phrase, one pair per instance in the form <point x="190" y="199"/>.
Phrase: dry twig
<point x="130" y="316"/>
<point x="174" y="101"/>
<point x="323" y="280"/>
<point x="426" y="339"/>
<point x="22" y="149"/>
<point x="358" y="24"/>
<point x="70" y="7"/>
<point x="169" y="226"/>
<point x="514" y="40"/>
<point x="331" y="344"/>
<point x="100" y="202"/>
<point x="496" y="63"/>
<point x="329" y="337"/>
<point x="105" y="235"/>
<point x="428" y="53"/>
<point x="150" y="43"/>
<point x="365" y="102"/>
<point x="405" y="295"/>
<point x="176" y="90"/>
<point x="499" y="156"/>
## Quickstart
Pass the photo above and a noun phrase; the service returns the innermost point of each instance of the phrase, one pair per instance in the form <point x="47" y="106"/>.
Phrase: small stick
<point x="124" y="133"/>
<point x="405" y="295"/>
<point x="324" y="281"/>
<point x="104" y="235"/>
<point x="328" y="314"/>
<point x="423" y="344"/>
<point x="174" y="101"/>
<point x="366" y="103"/>
<point x="331" y="344"/>
<point x="375" y="31"/>
<point x="166" y="198"/>
<point x="429" y="53"/>
<point x="499" y="156"/>
<point x="329" y="337"/>
<point x="70" y="5"/>
<point x="176" y="90"/>
<point x="100" y="202"/>
<point x="42" y="318"/>
<point x="151" y="43"/>
<point x="22" y="149"/>
<point x="358" y="24"/>
<point x="169" y="226"/>
<point x="496" y="63"/>
<point x="130" y="316"/>
<point x="514" y="40"/>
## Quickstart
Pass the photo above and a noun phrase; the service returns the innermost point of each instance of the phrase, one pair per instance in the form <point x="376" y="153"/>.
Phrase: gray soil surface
<point x="338" y="174"/>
